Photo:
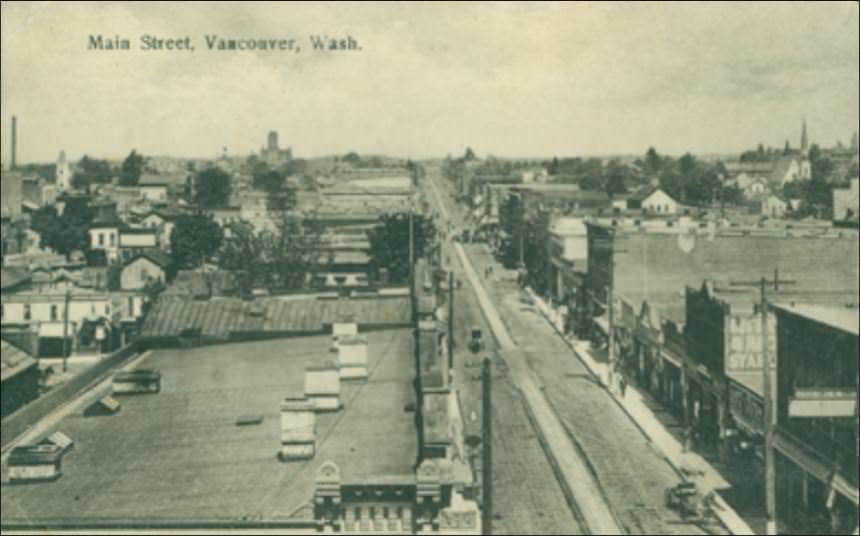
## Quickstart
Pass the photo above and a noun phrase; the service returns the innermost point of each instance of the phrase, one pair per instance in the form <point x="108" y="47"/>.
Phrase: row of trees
<point x="280" y="258"/>
<point x="525" y="238"/>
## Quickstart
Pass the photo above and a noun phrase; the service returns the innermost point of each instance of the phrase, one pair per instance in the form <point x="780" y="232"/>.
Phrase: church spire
<point x="804" y="140"/>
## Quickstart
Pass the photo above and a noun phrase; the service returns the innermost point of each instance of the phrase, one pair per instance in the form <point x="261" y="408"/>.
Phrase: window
<point x="2" y="312"/>
<point x="54" y="312"/>
<point x="101" y="239"/>
<point x="112" y="239"/>
<point x="107" y="309"/>
<point x="130" y="306"/>
<point x="28" y="313"/>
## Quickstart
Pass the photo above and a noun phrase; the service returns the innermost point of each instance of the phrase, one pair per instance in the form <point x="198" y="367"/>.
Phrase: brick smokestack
<point x="14" y="141"/>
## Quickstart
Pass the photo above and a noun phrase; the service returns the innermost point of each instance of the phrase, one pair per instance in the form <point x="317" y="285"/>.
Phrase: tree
<point x="470" y="155"/>
<point x="787" y="149"/>
<point x="194" y="239"/>
<point x="617" y="177"/>
<point x="240" y="254"/>
<point x="212" y="188"/>
<point x="653" y="162"/>
<point x="352" y="158"/>
<point x="389" y="243"/>
<point x="267" y="179"/>
<point x="67" y="233"/>
<point x="91" y="171"/>
<point x="536" y="253"/>
<point x="132" y="168"/>
<point x="510" y="219"/>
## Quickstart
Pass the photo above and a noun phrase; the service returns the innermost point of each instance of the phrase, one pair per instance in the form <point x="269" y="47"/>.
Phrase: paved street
<point x="527" y="497"/>
<point x="598" y="431"/>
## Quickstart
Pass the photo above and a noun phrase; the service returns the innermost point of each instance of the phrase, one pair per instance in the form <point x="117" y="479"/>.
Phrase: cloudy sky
<point x="506" y="79"/>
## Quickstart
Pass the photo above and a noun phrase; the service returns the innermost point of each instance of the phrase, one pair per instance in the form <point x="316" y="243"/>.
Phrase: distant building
<point x="63" y="173"/>
<point x="771" y="206"/>
<point x="845" y="202"/>
<point x="274" y="155"/>
<point x="43" y="311"/>
<point x="794" y="167"/>
<point x="104" y="236"/>
<point x="163" y="220"/>
<point x="652" y="200"/>
<point x="568" y="250"/>
<point x="11" y="194"/>
<point x="37" y="194"/>
<point x="159" y="187"/>
<point x="816" y="392"/>
<point x="149" y="265"/>
<point x="755" y="188"/>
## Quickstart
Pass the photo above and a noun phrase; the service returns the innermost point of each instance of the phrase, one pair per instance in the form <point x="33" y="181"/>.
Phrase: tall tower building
<point x="13" y="157"/>
<point x="273" y="141"/>
<point x="804" y="141"/>
<point x="64" y="173"/>
<point x="804" y="166"/>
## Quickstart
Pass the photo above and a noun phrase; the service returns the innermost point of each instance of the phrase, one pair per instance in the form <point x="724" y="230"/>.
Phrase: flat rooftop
<point x="179" y="455"/>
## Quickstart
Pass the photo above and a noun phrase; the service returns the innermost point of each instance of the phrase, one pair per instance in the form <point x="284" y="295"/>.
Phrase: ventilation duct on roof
<point x="322" y="385"/>
<point x="298" y="429"/>
<point x="35" y="463"/>
<point x="102" y="407"/>
<point x="139" y="381"/>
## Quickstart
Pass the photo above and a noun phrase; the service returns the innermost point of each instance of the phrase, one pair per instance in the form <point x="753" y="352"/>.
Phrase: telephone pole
<point x="487" y="450"/>
<point x="450" y="321"/>
<point x="770" y="475"/>
<point x="769" y="399"/>
<point x="68" y="298"/>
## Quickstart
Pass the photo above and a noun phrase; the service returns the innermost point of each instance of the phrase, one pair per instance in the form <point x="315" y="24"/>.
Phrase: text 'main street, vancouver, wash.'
<point x="149" y="42"/>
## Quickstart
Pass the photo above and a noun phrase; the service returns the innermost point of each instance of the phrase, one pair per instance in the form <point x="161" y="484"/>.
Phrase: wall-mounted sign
<point x="744" y="344"/>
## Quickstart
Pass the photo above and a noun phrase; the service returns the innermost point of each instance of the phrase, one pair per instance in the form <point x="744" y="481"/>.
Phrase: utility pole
<point x="68" y="298"/>
<point x="770" y="476"/>
<point x="522" y="231"/>
<point x="487" y="450"/>
<point x="411" y="241"/>
<point x="451" y="320"/>
<point x="769" y="400"/>
<point x="610" y="304"/>
<point x="607" y="244"/>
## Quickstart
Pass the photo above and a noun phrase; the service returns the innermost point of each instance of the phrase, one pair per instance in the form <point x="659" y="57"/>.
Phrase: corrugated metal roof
<point x="220" y="317"/>
<point x="13" y="361"/>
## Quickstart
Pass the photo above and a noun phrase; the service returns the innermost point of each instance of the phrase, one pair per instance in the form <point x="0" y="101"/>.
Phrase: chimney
<point x="14" y="148"/>
<point x="298" y="429"/>
<point x="322" y="385"/>
<point x="352" y="357"/>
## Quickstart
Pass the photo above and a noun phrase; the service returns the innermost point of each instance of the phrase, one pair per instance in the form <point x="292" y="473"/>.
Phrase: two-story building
<point x="816" y="410"/>
<point x="653" y="200"/>
<point x="568" y="254"/>
<point x="85" y="318"/>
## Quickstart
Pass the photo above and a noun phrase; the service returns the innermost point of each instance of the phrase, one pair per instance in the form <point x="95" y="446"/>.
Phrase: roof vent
<point x="249" y="420"/>
<point x="102" y="407"/>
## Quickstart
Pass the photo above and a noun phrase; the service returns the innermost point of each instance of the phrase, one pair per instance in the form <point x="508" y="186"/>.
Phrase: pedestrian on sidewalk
<point x="688" y="439"/>
<point x="622" y="384"/>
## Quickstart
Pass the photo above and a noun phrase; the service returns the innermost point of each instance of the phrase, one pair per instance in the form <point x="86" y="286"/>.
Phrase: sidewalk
<point x="709" y="480"/>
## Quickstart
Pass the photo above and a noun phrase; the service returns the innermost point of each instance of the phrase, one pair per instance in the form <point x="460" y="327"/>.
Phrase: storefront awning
<point x="812" y="463"/>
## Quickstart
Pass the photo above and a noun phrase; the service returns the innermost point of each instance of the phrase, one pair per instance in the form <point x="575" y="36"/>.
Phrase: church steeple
<point x="804" y="140"/>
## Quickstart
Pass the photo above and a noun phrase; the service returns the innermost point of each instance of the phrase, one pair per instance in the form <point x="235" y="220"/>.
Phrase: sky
<point x="509" y="80"/>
